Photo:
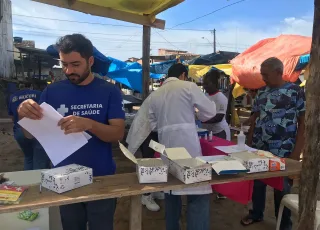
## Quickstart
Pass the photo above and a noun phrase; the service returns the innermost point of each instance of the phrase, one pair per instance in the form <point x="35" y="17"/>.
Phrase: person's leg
<point x="286" y="223"/>
<point x="73" y="216"/>
<point x="40" y="157"/>
<point x="258" y="204"/>
<point x="26" y="146"/>
<point x="258" y="199"/>
<point x="173" y="212"/>
<point x="198" y="212"/>
<point x="101" y="214"/>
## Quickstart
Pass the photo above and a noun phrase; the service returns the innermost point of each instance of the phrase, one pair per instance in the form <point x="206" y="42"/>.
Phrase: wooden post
<point x="135" y="213"/>
<point x="6" y="41"/>
<point x="311" y="157"/>
<point x="146" y="61"/>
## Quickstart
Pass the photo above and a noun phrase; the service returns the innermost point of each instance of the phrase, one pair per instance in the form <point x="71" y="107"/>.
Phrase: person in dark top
<point x="34" y="155"/>
<point x="279" y="111"/>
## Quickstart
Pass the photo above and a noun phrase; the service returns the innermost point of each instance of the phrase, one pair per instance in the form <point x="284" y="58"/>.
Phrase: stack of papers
<point x="224" y="165"/>
<point x="57" y="145"/>
<point x="234" y="149"/>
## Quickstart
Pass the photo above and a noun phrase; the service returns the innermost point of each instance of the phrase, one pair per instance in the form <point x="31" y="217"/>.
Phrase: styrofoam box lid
<point x="150" y="162"/>
<point x="66" y="170"/>
<point x="247" y="156"/>
<point x="190" y="163"/>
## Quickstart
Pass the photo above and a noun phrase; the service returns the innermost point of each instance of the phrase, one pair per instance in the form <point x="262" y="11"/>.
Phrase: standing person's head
<point x="272" y="71"/>
<point x="211" y="81"/>
<point x="179" y="71"/>
<point x="76" y="55"/>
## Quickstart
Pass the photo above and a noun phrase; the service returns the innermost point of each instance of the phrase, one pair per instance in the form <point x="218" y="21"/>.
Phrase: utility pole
<point x="214" y="41"/>
<point x="146" y="61"/>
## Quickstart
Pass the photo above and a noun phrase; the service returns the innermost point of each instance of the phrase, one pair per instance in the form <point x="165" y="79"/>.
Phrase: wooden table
<point x="122" y="185"/>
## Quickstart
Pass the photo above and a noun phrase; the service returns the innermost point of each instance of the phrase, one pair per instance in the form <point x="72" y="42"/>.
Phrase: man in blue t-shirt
<point x="278" y="112"/>
<point x="88" y="104"/>
<point x="34" y="155"/>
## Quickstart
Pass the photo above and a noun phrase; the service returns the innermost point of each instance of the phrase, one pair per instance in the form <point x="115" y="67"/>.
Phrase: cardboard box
<point x="253" y="162"/>
<point x="275" y="163"/>
<point x="181" y="165"/>
<point x="149" y="170"/>
<point x="66" y="178"/>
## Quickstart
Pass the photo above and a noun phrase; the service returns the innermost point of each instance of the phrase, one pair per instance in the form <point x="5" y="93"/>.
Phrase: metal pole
<point x="214" y="41"/>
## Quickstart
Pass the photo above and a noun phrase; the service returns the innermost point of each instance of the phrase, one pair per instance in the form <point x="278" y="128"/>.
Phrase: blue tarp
<point x="303" y="62"/>
<point x="162" y="67"/>
<point x="129" y="74"/>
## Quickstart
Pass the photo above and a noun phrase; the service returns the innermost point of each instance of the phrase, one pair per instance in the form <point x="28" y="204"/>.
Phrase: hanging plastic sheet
<point x="288" y="48"/>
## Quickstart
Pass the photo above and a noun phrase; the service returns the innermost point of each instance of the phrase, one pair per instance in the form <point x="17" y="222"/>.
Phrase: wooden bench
<point x="122" y="185"/>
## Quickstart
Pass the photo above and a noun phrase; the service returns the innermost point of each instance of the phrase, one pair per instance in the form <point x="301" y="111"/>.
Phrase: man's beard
<point x="78" y="79"/>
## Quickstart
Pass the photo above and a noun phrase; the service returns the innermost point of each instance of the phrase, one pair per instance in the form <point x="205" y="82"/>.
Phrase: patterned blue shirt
<point x="277" y="122"/>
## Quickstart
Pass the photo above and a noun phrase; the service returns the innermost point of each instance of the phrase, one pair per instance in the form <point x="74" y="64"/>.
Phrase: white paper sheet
<point x="57" y="145"/>
<point x="225" y="166"/>
<point x="234" y="149"/>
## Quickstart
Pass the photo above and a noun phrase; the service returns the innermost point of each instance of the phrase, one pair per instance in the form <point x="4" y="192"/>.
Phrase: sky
<point x="237" y="27"/>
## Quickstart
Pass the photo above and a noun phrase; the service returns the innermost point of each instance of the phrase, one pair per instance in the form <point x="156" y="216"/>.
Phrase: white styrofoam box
<point x="253" y="162"/>
<point x="151" y="171"/>
<point x="275" y="163"/>
<point x="66" y="178"/>
<point x="189" y="170"/>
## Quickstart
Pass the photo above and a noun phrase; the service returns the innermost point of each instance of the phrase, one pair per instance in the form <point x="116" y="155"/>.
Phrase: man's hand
<point x="74" y="124"/>
<point x="30" y="109"/>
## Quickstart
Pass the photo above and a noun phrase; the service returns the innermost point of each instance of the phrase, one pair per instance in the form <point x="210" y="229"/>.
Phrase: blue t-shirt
<point x="16" y="99"/>
<point x="99" y="101"/>
<point x="276" y="126"/>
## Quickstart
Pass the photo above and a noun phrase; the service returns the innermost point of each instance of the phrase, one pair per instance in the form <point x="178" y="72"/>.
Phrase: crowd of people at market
<point x="167" y="116"/>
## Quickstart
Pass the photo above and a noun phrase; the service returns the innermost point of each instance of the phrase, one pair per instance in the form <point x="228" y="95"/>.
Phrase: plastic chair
<point x="291" y="201"/>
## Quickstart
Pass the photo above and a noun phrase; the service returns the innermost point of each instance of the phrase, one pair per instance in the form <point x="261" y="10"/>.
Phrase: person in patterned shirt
<point x="279" y="110"/>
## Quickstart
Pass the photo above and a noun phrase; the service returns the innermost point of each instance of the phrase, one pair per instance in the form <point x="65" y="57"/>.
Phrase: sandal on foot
<point x="249" y="220"/>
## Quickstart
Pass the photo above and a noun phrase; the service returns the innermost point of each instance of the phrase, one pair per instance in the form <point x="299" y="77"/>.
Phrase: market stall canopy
<point x="196" y="72"/>
<point x="141" y="12"/>
<point x="292" y="50"/>
<point x="221" y="57"/>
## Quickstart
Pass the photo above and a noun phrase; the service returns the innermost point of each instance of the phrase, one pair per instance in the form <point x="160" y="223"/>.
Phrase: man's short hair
<point x="273" y="63"/>
<point x="177" y="69"/>
<point x="75" y="43"/>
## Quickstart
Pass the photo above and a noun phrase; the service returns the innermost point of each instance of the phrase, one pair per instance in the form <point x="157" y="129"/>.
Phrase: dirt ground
<point x="225" y="214"/>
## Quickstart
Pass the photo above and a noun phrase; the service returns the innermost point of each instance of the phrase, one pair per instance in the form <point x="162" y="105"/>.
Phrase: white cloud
<point x="124" y="42"/>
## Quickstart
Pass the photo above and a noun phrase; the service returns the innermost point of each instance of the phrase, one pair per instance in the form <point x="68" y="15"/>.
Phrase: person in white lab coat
<point x="139" y="136"/>
<point x="171" y="111"/>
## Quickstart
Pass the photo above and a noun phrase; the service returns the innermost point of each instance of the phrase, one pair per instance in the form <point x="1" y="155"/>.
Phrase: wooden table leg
<point x="135" y="213"/>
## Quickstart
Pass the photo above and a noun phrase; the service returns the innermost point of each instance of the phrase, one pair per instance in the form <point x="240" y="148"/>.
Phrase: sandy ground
<point x="225" y="214"/>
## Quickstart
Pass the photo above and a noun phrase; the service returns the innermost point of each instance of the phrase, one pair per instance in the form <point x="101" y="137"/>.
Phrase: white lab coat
<point x="140" y="127"/>
<point x="171" y="111"/>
